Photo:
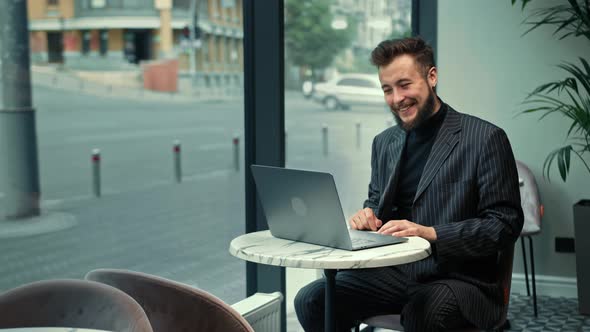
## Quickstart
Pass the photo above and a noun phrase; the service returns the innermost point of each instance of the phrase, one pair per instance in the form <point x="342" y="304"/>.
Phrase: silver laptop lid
<point x="302" y="206"/>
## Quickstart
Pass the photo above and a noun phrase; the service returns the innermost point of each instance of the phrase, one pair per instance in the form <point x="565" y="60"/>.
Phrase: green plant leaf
<point x="547" y="165"/>
<point x="561" y="167"/>
<point x="582" y="77"/>
<point x="567" y="156"/>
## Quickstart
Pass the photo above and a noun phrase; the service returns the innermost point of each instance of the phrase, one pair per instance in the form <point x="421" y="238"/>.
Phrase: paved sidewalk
<point x="125" y="84"/>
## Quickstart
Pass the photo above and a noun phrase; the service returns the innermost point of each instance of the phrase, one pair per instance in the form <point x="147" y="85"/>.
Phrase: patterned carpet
<point x="555" y="314"/>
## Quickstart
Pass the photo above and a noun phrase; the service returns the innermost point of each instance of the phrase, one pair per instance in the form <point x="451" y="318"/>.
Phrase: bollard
<point x="358" y="135"/>
<point x="96" y="172"/>
<point x="236" y="144"/>
<point x="325" y="138"/>
<point x="177" y="161"/>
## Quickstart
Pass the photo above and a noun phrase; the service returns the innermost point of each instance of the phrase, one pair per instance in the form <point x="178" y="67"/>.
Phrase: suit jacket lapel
<point x="446" y="140"/>
<point x="394" y="150"/>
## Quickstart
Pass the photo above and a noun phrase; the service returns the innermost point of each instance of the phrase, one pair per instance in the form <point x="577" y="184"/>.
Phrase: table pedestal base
<point x="329" y="318"/>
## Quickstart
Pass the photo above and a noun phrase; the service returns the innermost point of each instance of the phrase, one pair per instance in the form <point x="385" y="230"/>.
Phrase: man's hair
<point x="388" y="50"/>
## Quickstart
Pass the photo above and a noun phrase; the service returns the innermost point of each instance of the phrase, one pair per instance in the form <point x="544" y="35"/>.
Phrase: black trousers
<point x="364" y="293"/>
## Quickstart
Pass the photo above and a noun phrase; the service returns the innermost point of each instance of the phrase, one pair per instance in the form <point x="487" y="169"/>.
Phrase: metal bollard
<point x="96" y="172"/>
<point x="325" y="138"/>
<point x="177" y="161"/>
<point x="236" y="144"/>
<point x="358" y="135"/>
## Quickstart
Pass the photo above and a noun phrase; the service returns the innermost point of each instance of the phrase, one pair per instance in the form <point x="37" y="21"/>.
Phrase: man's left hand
<point x="404" y="227"/>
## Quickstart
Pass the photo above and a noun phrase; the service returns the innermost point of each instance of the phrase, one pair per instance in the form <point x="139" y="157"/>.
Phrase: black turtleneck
<point x="419" y="142"/>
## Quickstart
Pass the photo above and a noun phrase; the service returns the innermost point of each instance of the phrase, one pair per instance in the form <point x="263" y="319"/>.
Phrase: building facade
<point x="119" y="34"/>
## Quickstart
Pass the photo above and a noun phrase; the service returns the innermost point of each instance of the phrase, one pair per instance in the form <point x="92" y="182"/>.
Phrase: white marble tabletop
<point x="262" y="247"/>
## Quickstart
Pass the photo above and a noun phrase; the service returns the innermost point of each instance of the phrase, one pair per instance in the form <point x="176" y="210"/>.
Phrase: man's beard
<point x="422" y="114"/>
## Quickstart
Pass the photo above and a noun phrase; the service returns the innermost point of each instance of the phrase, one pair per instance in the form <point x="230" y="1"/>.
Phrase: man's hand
<point x="407" y="228"/>
<point x="365" y="219"/>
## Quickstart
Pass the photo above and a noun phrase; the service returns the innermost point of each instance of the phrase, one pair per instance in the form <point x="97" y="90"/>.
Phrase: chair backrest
<point x="530" y="200"/>
<point x="71" y="303"/>
<point x="173" y="306"/>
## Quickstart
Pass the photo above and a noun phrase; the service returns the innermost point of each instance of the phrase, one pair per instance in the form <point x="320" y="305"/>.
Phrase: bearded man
<point x="445" y="176"/>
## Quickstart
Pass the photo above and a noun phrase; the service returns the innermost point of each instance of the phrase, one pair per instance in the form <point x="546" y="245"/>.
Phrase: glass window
<point x="181" y="4"/>
<point x="326" y="41"/>
<point x="85" y="42"/>
<point x="137" y="165"/>
<point x="104" y="42"/>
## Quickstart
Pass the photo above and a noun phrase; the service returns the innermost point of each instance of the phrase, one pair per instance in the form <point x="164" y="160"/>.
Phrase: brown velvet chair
<point x="71" y="303"/>
<point x="505" y="260"/>
<point x="173" y="306"/>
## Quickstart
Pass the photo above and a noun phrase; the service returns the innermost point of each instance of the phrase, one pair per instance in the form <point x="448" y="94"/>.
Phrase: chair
<point x="71" y="303"/>
<point x="173" y="306"/>
<point x="505" y="259"/>
<point x="533" y="213"/>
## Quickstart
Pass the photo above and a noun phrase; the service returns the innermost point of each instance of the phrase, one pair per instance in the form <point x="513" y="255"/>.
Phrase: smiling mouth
<point x="405" y="108"/>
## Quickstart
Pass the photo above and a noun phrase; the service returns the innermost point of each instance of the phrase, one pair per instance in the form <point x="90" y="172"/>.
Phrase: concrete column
<point x="166" y="38"/>
<point x="19" y="170"/>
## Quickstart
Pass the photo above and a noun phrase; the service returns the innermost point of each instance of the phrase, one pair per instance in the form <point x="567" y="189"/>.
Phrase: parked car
<point x="349" y="90"/>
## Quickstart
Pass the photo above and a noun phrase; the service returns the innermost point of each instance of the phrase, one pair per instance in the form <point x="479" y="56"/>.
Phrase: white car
<point x="349" y="90"/>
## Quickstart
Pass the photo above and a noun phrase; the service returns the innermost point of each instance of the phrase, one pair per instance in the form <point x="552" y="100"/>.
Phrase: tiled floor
<point x="555" y="314"/>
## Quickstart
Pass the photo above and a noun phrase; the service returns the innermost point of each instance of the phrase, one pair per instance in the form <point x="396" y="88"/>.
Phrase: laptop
<point x="304" y="206"/>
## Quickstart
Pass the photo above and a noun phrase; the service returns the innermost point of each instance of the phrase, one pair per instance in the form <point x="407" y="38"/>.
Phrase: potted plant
<point x="569" y="97"/>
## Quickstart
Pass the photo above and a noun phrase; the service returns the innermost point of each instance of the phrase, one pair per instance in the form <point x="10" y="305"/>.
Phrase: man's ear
<point x="432" y="77"/>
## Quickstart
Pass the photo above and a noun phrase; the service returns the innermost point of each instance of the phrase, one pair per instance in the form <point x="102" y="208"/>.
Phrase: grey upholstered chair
<point x="505" y="259"/>
<point x="533" y="213"/>
<point x="173" y="306"/>
<point x="71" y="303"/>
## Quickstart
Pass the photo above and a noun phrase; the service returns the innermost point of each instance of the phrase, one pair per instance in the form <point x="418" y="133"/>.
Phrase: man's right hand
<point x="365" y="219"/>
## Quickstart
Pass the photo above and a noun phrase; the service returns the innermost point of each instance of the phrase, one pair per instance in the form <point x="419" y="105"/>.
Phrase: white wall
<point x="486" y="69"/>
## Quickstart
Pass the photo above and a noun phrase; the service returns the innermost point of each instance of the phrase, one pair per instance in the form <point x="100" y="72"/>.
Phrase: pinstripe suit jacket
<point x="469" y="193"/>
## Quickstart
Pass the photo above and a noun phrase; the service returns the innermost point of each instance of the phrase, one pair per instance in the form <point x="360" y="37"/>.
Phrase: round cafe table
<point x="261" y="247"/>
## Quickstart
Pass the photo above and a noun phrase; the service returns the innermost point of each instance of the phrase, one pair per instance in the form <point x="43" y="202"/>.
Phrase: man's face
<point x="408" y="93"/>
